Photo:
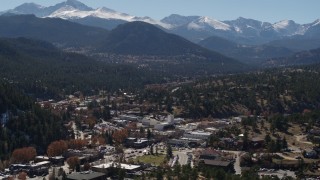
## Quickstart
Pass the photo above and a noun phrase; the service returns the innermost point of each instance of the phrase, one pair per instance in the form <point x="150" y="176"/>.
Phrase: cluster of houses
<point x="177" y="132"/>
<point x="41" y="164"/>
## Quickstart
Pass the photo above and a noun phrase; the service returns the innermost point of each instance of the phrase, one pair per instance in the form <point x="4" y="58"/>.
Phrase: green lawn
<point x="156" y="159"/>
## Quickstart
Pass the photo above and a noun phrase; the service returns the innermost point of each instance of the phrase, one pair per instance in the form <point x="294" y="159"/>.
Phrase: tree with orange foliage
<point x="57" y="148"/>
<point x="132" y="126"/>
<point x="77" y="143"/>
<point x="23" y="155"/>
<point x="99" y="140"/>
<point x="73" y="162"/>
<point x="22" y="176"/>
<point x="120" y="135"/>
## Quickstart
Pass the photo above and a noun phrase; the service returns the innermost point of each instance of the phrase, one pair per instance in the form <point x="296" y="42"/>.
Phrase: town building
<point x="87" y="175"/>
<point x="197" y="135"/>
<point x="110" y="168"/>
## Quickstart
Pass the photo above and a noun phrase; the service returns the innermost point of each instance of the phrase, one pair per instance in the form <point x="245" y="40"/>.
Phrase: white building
<point x="148" y="121"/>
<point x="197" y="135"/>
<point x="130" y="117"/>
<point x="104" y="167"/>
<point x="212" y="130"/>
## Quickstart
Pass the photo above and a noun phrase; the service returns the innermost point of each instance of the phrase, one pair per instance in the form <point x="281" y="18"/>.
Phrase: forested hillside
<point x="287" y="90"/>
<point x="45" y="71"/>
<point x="58" y="31"/>
<point x="301" y="58"/>
<point x="24" y="123"/>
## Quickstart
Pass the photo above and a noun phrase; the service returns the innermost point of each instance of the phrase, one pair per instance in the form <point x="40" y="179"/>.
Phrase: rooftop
<point x="200" y="133"/>
<point x="216" y="163"/>
<point x="123" y="166"/>
<point x="86" y="175"/>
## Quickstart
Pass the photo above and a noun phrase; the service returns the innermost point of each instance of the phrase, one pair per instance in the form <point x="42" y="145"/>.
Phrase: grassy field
<point x="156" y="160"/>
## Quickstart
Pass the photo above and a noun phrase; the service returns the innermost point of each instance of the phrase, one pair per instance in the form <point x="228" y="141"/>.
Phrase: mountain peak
<point x="243" y="19"/>
<point x="284" y="24"/>
<point x="213" y="23"/>
<point x="29" y="5"/>
<point x="104" y="9"/>
<point x="316" y="22"/>
<point x="28" y="8"/>
<point x="73" y="1"/>
<point x="178" y="20"/>
<point x="75" y="4"/>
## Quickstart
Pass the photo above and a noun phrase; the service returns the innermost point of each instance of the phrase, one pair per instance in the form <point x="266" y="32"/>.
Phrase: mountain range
<point x="194" y="28"/>
<point x="138" y="43"/>
<point x="107" y="31"/>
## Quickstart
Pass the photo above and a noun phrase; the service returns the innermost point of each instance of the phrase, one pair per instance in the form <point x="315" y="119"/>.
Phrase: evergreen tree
<point x="278" y="144"/>
<point x="169" y="151"/>
<point x="284" y="143"/>
<point x="149" y="134"/>
<point x="177" y="170"/>
<point x="159" y="173"/>
<point x="245" y="140"/>
<point x="267" y="139"/>
<point x="141" y="130"/>
<point x="121" y="174"/>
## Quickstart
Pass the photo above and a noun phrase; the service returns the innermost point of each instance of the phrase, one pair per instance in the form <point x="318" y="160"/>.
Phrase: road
<point x="183" y="156"/>
<point x="77" y="134"/>
<point x="285" y="157"/>
<point x="237" y="155"/>
<point x="300" y="138"/>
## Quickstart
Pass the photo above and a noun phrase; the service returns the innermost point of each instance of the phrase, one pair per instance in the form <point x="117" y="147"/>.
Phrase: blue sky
<point x="301" y="11"/>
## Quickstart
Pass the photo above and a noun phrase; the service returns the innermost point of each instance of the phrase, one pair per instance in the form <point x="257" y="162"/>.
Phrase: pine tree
<point x="169" y="151"/>
<point x="278" y="144"/>
<point x="284" y="143"/>
<point x="245" y="140"/>
<point x="149" y="134"/>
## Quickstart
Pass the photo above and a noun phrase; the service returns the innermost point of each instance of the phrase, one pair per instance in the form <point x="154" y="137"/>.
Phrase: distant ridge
<point x="195" y="28"/>
<point x="61" y="32"/>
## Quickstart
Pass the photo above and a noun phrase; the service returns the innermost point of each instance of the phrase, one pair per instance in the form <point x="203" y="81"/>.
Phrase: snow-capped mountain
<point x="313" y="29"/>
<point x="74" y="10"/>
<point x="176" y="20"/>
<point x="200" y="23"/>
<point x="206" y="23"/>
<point x="194" y="28"/>
<point x="41" y="11"/>
<point x="246" y="26"/>
<point x="289" y="27"/>
<point x="316" y="23"/>
<point x="28" y="8"/>
<point x="241" y="30"/>
<point x="69" y="12"/>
